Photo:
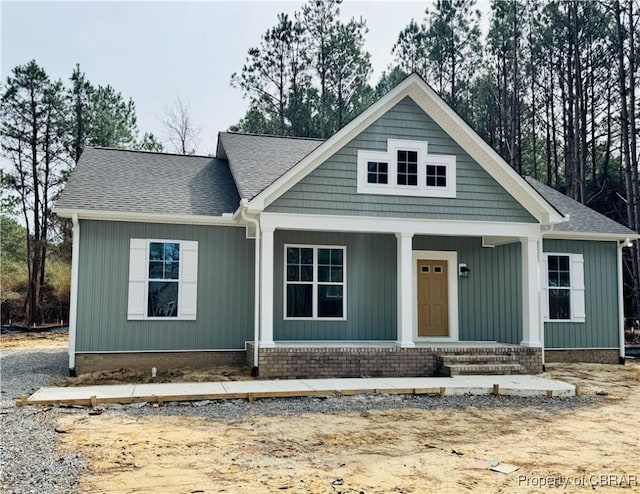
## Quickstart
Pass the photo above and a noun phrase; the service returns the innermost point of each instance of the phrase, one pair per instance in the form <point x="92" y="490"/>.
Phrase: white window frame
<point x="390" y="156"/>
<point x="315" y="283"/>
<point x="186" y="275"/>
<point x="577" y="308"/>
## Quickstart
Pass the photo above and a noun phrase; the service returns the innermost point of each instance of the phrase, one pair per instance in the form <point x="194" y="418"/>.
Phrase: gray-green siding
<point x="490" y="302"/>
<point x="600" y="329"/>
<point x="331" y="188"/>
<point x="371" y="288"/>
<point x="225" y="290"/>
<point x="490" y="299"/>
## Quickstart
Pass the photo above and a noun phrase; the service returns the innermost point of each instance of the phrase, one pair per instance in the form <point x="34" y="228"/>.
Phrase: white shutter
<point x="188" y="280"/>
<point x="545" y="287"/>
<point x="578" y="310"/>
<point x="137" y="278"/>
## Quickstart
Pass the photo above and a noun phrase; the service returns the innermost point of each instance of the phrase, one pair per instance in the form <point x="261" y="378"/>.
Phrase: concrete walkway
<point x="513" y="385"/>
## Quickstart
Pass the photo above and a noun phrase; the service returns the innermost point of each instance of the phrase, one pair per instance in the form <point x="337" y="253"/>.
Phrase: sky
<point x="155" y="52"/>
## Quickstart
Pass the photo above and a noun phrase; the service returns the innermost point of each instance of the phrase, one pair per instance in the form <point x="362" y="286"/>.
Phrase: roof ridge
<point x="145" y="151"/>
<point x="320" y="139"/>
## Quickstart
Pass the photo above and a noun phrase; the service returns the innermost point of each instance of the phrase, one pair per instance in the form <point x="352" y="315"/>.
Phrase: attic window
<point x="377" y="172"/>
<point x="406" y="168"/>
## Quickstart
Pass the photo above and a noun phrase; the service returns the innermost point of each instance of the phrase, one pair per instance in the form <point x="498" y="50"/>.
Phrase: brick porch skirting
<point x="300" y="362"/>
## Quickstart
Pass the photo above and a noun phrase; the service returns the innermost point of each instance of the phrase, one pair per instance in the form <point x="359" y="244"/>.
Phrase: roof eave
<point x="598" y="236"/>
<point x="101" y="215"/>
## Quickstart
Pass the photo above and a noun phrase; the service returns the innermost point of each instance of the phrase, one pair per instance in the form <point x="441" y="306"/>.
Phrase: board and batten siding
<point x="600" y="329"/>
<point x="224" y="318"/>
<point x="331" y="188"/>
<point x="371" y="288"/>
<point x="490" y="298"/>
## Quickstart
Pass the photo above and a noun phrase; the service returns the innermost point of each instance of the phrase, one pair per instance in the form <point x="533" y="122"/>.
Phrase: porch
<point x="296" y="360"/>
<point x="380" y="316"/>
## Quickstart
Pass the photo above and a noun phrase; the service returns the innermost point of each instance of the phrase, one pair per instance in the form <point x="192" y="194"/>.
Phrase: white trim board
<point x="452" y="285"/>
<point x="426" y="98"/>
<point x="367" y="224"/>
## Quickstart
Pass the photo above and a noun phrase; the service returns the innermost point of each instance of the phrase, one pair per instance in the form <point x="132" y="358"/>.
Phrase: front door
<point x="433" y="298"/>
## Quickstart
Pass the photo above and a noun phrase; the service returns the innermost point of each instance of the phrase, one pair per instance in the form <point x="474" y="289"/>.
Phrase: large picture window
<point x="314" y="282"/>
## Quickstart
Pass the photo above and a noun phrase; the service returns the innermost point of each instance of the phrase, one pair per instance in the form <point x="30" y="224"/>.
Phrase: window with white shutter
<point x="564" y="297"/>
<point x="163" y="277"/>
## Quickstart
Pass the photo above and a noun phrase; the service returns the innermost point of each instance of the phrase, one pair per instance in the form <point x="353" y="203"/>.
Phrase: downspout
<point x="73" y="302"/>
<point x="621" y="301"/>
<point x="256" y="310"/>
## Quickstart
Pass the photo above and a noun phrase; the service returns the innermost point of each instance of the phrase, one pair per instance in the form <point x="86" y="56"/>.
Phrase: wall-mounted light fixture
<point x="463" y="271"/>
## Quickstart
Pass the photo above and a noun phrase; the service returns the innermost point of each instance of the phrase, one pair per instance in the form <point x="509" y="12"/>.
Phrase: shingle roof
<point x="137" y="181"/>
<point x="582" y="218"/>
<point x="256" y="161"/>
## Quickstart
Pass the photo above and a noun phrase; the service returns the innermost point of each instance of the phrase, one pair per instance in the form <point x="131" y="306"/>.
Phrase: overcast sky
<point x="154" y="52"/>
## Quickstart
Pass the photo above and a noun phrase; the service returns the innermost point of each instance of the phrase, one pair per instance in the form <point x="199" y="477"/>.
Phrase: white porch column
<point x="531" y="332"/>
<point x="266" y="288"/>
<point x="405" y="295"/>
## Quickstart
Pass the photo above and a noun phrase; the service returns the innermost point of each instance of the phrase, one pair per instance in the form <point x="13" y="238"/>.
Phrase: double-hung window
<point x="162" y="279"/>
<point x="564" y="287"/>
<point x="315" y="282"/>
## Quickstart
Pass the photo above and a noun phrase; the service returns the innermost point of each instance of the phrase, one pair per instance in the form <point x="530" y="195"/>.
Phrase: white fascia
<point x="180" y="219"/>
<point x="288" y="221"/>
<point x="599" y="237"/>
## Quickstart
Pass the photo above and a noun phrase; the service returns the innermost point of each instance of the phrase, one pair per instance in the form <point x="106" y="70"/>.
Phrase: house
<point x="402" y="245"/>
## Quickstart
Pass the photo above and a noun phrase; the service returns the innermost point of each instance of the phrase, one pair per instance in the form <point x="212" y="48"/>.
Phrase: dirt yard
<point x="44" y="339"/>
<point x="392" y="451"/>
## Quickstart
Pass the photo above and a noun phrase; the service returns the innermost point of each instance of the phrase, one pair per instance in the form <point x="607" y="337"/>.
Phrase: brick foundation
<point x="163" y="361"/>
<point x="588" y="355"/>
<point x="383" y="361"/>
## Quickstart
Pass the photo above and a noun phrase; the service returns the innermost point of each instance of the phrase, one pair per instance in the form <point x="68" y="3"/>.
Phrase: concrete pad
<point x="253" y="387"/>
<point x="416" y="382"/>
<point x="346" y="384"/>
<point x="513" y="385"/>
<point x="112" y="391"/>
<point x="178" y="389"/>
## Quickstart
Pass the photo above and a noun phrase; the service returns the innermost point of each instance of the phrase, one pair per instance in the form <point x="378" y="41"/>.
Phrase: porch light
<point x="464" y="271"/>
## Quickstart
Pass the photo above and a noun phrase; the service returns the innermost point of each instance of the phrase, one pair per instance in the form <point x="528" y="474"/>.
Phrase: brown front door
<point x="433" y="298"/>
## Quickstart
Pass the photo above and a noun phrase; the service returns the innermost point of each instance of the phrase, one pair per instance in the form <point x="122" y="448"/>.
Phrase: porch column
<point x="531" y="332"/>
<point x="266" y="288"/>
<point x="405" y="295"/>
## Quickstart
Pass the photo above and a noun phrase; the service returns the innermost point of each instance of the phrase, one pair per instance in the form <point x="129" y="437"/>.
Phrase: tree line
<point x="551" y="87"/>
<point x="44" y="126"/>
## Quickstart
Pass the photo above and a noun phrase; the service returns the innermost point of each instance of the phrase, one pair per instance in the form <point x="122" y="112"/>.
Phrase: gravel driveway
<point x="30" y="462"/>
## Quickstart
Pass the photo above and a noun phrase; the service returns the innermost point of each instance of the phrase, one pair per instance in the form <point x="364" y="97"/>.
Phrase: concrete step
<point x="480" y="369"/>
